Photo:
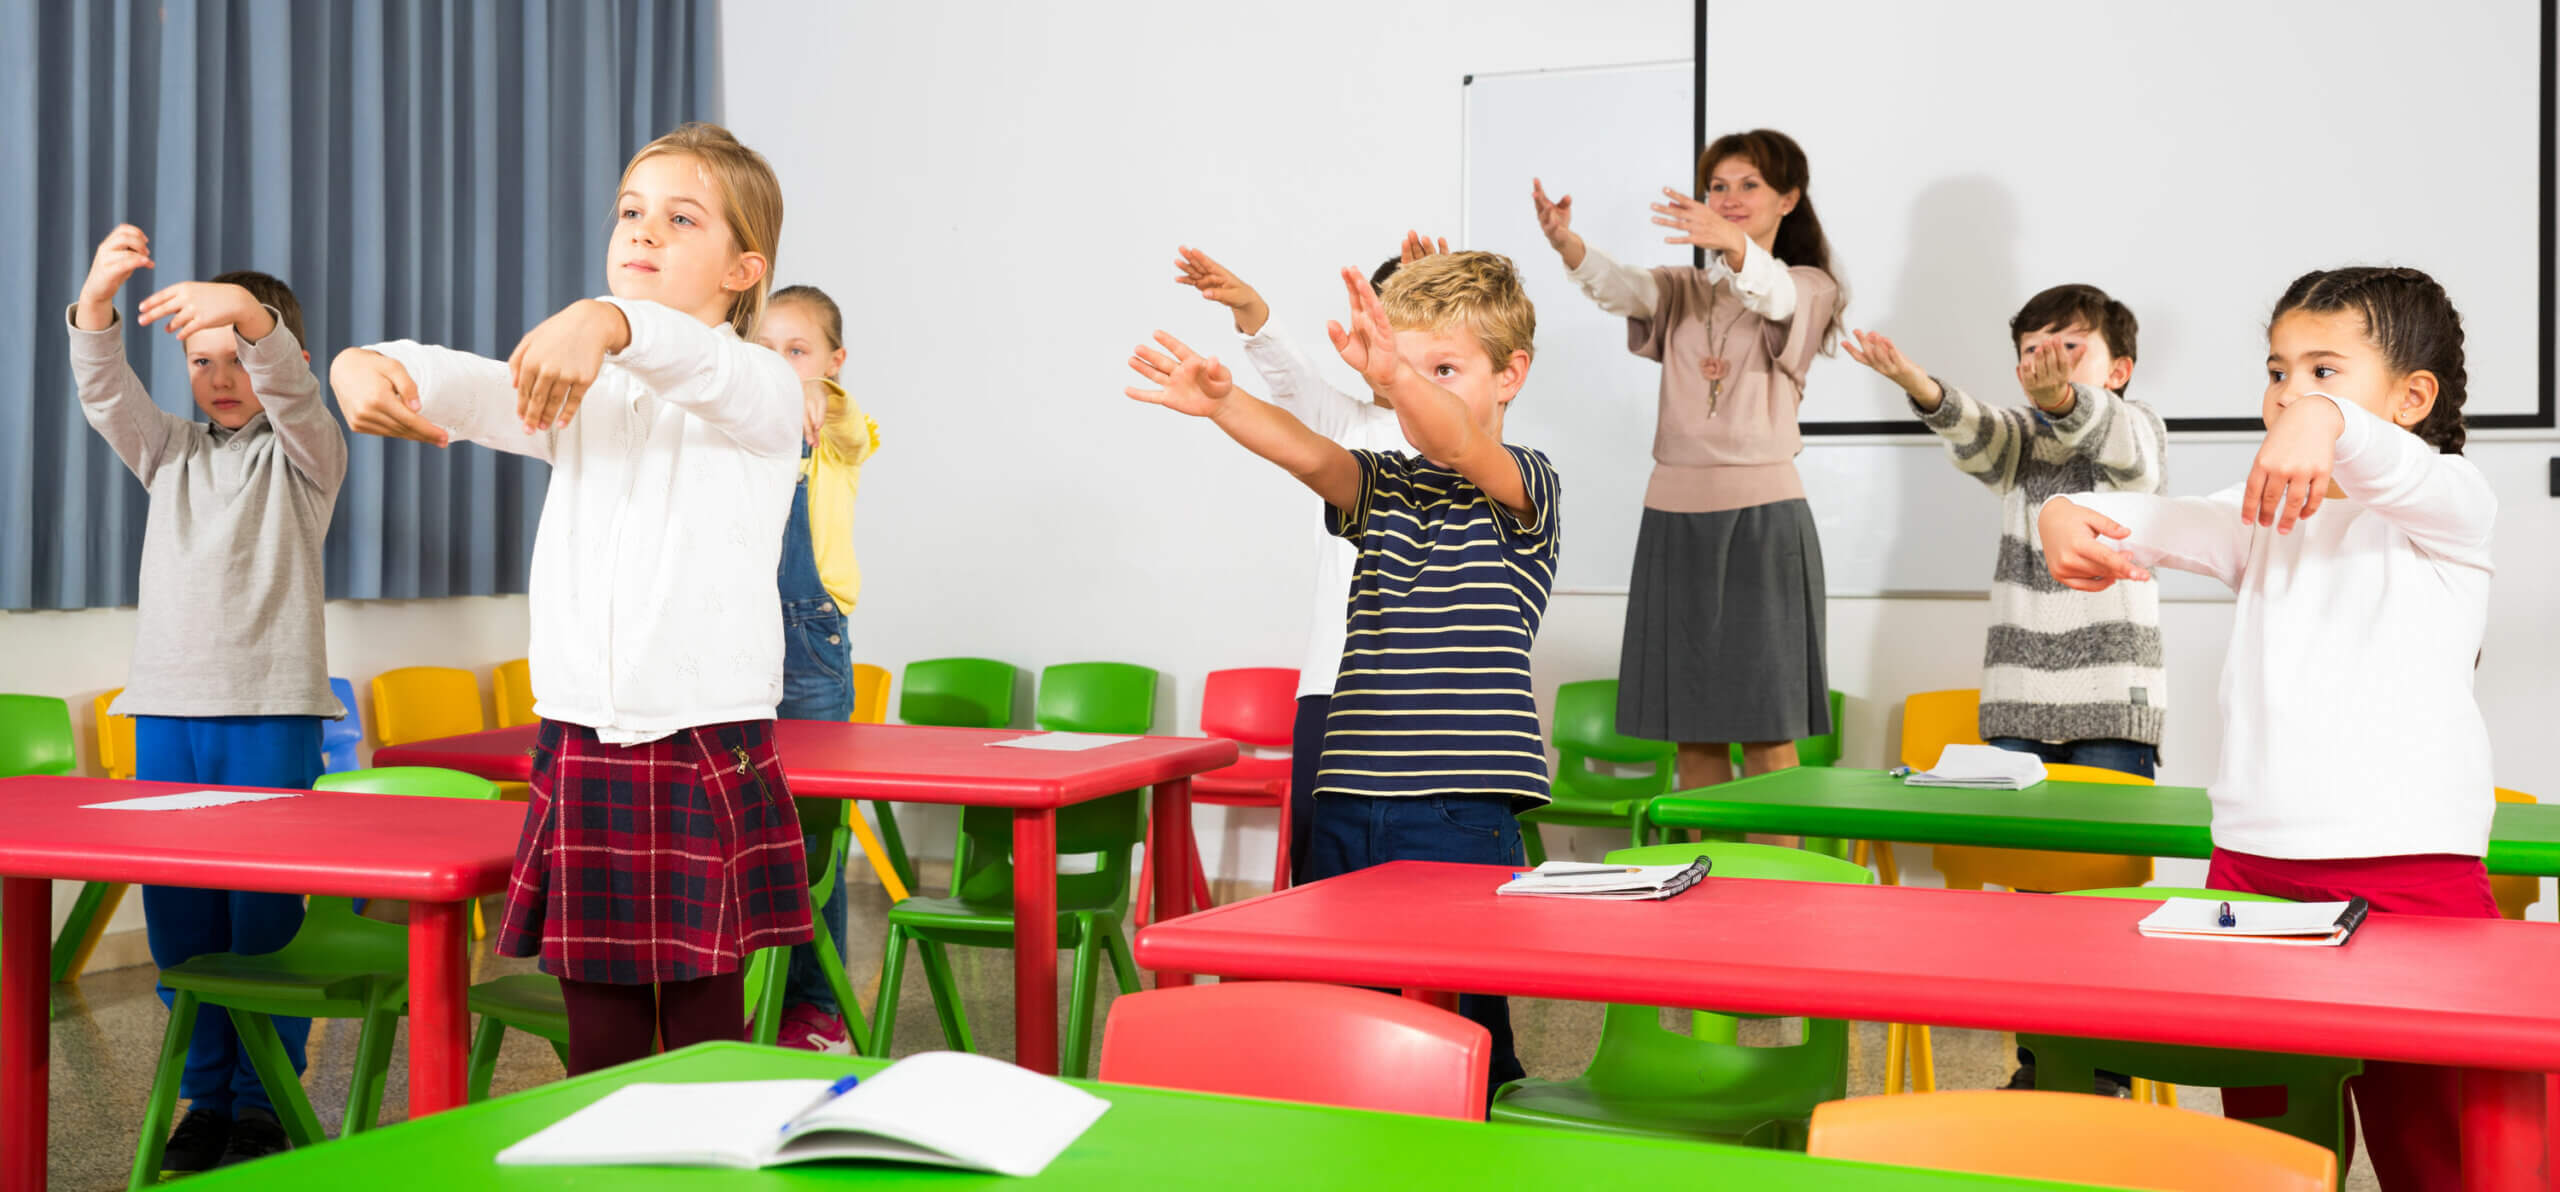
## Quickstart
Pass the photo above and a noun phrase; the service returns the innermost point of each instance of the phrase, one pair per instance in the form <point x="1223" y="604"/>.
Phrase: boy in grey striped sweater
<point x="2072" y="676"/>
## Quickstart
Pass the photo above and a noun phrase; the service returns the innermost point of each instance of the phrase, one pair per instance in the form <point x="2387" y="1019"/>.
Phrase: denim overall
<point x="817" y="684"/>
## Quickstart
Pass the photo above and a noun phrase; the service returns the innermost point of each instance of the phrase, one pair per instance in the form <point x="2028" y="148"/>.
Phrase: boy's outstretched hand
<point x="1418" y="246"/>
<point x="192" y="306"/>
<point x="2075" y="550"/>
<point x="1219" y="284"/>
<point x="1369" y="343"/>
<point x="2045" y="374"/>
<point x="379" y="398"/>
<point x="1193" y="384"/>
<point x="1879" y="353"/>
<point x="122" y="251"/>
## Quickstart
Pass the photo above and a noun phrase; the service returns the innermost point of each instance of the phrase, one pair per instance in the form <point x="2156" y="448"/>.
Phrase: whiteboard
<point x="2190" y="157"/>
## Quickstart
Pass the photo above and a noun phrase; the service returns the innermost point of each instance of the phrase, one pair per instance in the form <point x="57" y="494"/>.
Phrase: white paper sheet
<point x="1062" y="742"/>
<point x="188" y="800"/>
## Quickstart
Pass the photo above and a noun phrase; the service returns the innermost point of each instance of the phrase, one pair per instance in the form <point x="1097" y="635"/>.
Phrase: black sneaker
<point x="255" y="1134"/>
<point x="2112" y="1085"/>
<point x="196" y="1145"/>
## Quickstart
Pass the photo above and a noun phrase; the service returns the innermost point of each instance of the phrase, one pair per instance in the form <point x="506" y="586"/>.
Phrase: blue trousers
<point x="278" y="751"/>
<point x="2123" y="757"/>
<point x="1354" y="832"/>
<point x="817" y="684"/>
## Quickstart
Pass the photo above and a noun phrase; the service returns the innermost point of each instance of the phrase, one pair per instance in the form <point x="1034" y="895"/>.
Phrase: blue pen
<point x="834" y="1091"/>
<point x="2226" y="918"/>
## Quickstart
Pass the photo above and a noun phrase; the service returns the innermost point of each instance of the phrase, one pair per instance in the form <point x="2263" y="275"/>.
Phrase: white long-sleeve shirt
<point x="652" y="580"/>
<point x="2349" y="726"/>
<point x="1354" y="422"/>
<point x="1765" y="287"/>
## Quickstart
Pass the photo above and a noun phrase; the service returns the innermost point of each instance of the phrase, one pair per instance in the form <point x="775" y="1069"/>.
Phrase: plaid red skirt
<point x="665" y="861"/>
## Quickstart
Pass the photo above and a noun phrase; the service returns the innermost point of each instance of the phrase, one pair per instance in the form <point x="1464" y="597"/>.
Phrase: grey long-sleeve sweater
<point x="231" y="551"/>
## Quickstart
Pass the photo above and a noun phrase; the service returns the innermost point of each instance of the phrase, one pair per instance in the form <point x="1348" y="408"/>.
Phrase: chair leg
<point x="162" y="1106"/>
<point x="946" y="995"/>
<point x="1280" y="862"/>
<point x="767" y="993"/>
<point x="88" y="920"/>
<point x="877" y="853"/>
<point x="1893" y="1052"/>
<point x="485" y="1045"/>
<point x="275" y="1071"/>
<point x="899" y="862"/>
<point x="1083" y="990"/>
<point x="1532" y="844"/>
<point x="1924" y="1061"/>
<point x="842" y="986"/>
<point x="372" y="1072"/>
<point x="884" y="1004"/>
<point x="1124" y="964"/>
<point x="1144" y="912"/>
<point x="1887" y="871"/>
<point x="1200" y="900"/>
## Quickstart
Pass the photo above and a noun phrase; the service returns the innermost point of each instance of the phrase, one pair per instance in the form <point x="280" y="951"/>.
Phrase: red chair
<point x="1253" y="707"/>
<point x="1290" y="1041"/>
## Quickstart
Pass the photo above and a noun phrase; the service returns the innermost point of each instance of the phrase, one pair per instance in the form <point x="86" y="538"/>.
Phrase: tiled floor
<point x="107" y="1028"/>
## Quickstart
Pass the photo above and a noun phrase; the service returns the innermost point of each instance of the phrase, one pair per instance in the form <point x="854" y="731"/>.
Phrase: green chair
<point x="2315" y="1097"/>
<point x="1093" y="697"/>
<point x="35" y="739"/>
<point x="1585" y="794"/>
<point x="768" y="971"/>
<point x="946" y="693"/>
<point x="1823" y="750"/>
<point x="337" y="965"/>
<point x="1645" y="1081"/>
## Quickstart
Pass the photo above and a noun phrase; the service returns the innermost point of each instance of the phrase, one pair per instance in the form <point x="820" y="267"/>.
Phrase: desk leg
<point x="1035" y="939"/>
<point x="1172" y="862"/>
<point x="438" y="1021"/>
<point x="2503" y="1117"/>
<point x="26" y="956"/>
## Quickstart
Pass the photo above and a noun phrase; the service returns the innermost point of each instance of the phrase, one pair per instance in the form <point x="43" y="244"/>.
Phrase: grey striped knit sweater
<point x="2061" y="665"/>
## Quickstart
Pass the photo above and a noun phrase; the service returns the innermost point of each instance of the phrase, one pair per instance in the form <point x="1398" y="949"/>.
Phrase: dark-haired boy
<point x="229" y="679"/>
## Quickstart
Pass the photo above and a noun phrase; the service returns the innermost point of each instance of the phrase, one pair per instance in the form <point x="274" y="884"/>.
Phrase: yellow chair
<point x="115" y="737"/>
<point x="512" y="683"/>
<point x="1968" y="867"/>
<point x="870" y="694"/>
<point x="2514" y="892"/>
<point x="422" y="703"/>
<point x="1931" y="721"/>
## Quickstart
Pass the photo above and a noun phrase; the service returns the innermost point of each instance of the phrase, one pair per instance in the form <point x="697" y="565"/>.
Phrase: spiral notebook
<point x="2303" y="924"/>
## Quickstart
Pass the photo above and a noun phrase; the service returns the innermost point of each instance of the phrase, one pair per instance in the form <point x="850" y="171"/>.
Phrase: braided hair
<point x="2408" y="316"/>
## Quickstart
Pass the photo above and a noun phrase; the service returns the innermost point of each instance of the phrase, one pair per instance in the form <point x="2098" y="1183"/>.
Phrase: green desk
<point x="1150" y="1138"/>
<point x="2079" y="817"/>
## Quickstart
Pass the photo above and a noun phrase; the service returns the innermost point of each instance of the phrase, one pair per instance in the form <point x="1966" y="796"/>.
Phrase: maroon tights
<point x="615" y="1024"/>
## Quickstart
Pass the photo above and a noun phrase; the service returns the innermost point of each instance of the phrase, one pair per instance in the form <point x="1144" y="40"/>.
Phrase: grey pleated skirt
<point x="1724" y="633"/>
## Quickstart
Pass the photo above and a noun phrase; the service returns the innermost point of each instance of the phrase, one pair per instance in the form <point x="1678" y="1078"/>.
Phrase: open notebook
<point x="942" y="1108"/>
<point x="2314" y="924"/>
<point x="1981" y="767"/>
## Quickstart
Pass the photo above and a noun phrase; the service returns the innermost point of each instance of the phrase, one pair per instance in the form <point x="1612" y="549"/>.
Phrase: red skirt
<point x="664" y="861"/>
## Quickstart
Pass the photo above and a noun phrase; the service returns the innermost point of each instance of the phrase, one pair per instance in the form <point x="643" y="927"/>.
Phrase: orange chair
<point x="1967" y="867"/>
<point x="422" y="703"/>
<point x="512" y="683"/>
<point x="2072" y="1137"/>
<point x="1255" y="707"/>
<point x="870" y="694"/>
<point x="2514" y="891"/>
<point x="1289" y="1041"/>
<point x="115" y="737"/>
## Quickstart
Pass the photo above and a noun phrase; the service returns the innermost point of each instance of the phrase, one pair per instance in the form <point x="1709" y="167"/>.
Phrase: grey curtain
<point x="439" y="170"/>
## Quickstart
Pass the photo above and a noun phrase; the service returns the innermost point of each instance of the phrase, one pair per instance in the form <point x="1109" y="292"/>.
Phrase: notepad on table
<point x="939" y="1108"/>
<point x="2313" y="924"/>
<point x="1585" y="879"/>
<point x="1981" y="767"/>
<point x="1064" y="742"/>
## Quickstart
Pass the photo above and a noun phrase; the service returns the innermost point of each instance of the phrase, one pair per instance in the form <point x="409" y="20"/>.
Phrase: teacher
<point x="1725" y="612"/>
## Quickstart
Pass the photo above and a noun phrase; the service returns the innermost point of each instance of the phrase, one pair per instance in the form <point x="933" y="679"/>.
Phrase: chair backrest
<point x="1107" y="828"/>
<point x="115" y="736"/>
<point x="871" y="694"/>
<point x="1257" y="708"/>
<point x="1586" y="735"/>
<point x="2099" y="775"/>
<point x="35" y="736"/>
<point x="2514" y="891"/>
<point x="431" y="782"/>
<point x="511" y="682"/>
<point x="422" y="703"/>
<point x="1288" y="1041"/>
<point x="1823" y="750"/>
<point x="1096" y="697"/>
<point x="2070" y="1136"/>
<point x="958" y="693"/>
<point x="1933" y="720"/>
<point x="2161" y="893"/>
<point x="340" y="738"/>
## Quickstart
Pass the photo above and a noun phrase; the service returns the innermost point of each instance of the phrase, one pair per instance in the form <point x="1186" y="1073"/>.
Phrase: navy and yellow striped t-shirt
<point x="1433" y="696"/>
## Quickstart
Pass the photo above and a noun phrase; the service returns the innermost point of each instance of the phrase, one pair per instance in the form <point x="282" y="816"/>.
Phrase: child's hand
<point x="378" y="397"/>
<point x="1418" y="246"/>
<point x="554" y="364"/>
<point x="1369" y="345"/>
<point x="2045" y="374"/>
<point x="816" y="405"/>
<point x="1875" y="351"/>
<point x="1219" y="284"/>
<point x="2290" y="477"/>
<point x="124" y="250"/>
<point x="1193" y="384"/>
<point x="192" y="306"/>
<point x="1555" y="220"/>
<point x="2075" y="550"/>
<point x="1698" y="225"/>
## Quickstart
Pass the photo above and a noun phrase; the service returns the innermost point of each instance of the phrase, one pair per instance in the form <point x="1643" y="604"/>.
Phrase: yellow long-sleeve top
<point x="834" y="469"/>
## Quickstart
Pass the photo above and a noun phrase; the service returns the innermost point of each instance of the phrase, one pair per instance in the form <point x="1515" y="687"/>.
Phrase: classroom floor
<point x="107" y="1027"/>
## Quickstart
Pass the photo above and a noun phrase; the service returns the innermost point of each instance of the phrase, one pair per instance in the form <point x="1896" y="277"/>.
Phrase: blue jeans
<point x="1306" y="751"/>
<point x="1354" y="832"/>
<point x="817" y="684"/>
<point x="277" y="751"/>
<point x="2123" y="757"/>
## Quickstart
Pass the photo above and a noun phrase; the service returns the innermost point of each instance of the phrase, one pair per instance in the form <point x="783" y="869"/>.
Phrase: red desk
<point x="437" y="853"/>
<point x="2474" y="993"/>
<point x="911" y="764"/>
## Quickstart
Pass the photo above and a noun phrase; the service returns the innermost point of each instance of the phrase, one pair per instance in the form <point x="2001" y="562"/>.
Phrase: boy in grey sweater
<point x="229" y="682"/>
